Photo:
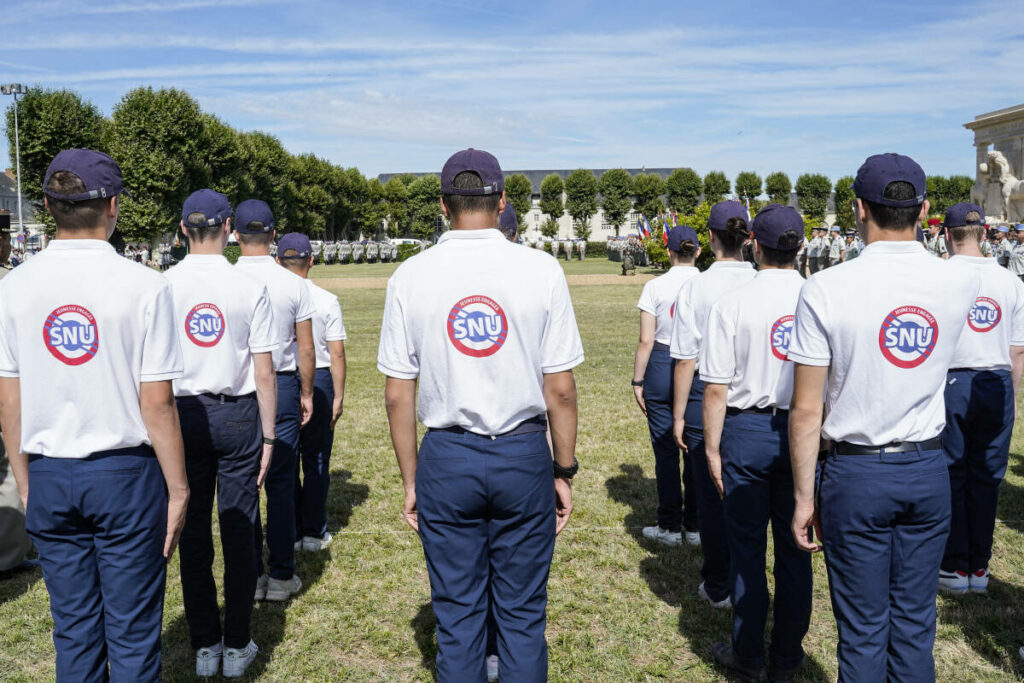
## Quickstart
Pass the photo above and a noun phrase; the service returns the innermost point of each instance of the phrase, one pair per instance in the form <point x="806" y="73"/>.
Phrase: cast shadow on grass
<point x="992" y="624"/>
<point x="1011" y="497"/>
<point x="423" y="630"/>
<point x="343" y="497"/>
<point x="14" y="584"/>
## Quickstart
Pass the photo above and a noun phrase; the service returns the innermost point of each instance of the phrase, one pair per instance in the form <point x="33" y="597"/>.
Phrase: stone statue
<point x="997" y="190"/>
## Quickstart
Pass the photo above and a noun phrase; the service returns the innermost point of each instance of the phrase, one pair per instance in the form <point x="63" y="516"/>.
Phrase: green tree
<point x="958" y="188"/>
<point x="311" y="200"/>
<point x="748" y="184"/>
<point x="648" y="189"/>
<point x="424" y="205"/>
<point x="581" y="200"/>
<point x="716" y="186"/>
<point x="844" y="210"/>
<point x="812" y="192"/>
<point x="683" y="187"/>
<point x="549" y="228"/>
<point x="616" y="188"/>
<point x="222" y="165"/>
<point x="698" y="220"/>
<point x="396" y="201"/>
<point x="374" y="210"/>
<point x="778" y="188"/>
<point x="518" y="192"/>
<point x="937" y="198"/>
<point x="551" y="189"/>
<point x="350" y="193"/>
<point x="267" y="173"/>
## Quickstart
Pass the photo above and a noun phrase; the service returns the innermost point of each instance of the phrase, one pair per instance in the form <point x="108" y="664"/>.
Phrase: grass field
<point x="592" y="266"/>
<point x="621" y="608"/>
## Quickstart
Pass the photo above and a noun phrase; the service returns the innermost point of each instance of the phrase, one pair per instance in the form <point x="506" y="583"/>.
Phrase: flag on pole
<point x="643" y="226"/>
<point x="664" y="236"/>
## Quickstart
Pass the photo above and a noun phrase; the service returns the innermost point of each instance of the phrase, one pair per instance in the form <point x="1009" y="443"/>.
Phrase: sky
<point x="398" y="85"/>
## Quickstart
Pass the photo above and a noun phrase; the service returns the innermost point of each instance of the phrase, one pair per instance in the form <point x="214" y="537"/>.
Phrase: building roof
<point x="536" y="177"/>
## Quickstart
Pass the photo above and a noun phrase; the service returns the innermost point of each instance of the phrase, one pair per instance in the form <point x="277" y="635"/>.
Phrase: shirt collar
<point x="79" y="245"/>
<point x="731" y="264"/>
<point x="777" y="272"/>
<point x="256" y="259"/>
<point x="898" y="247"/>
<point x="485" y="234"/>
<point x="977" y="260"/>
<point x="681" y="269"/>
<point x="204" y="259"/>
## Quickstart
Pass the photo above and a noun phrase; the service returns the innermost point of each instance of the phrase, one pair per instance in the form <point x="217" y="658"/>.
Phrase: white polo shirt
<point x="289" y="299"/>
<point x="887" y="325"/>
<point x="659" y="299"/>
<point x="696" y="297"/>
<point x="748" y="339"/>
<point x="328" y="325"/>
<point x="479" y="320"/>
<point x="82" y="328"/>
<point x="996" y="321"/>
<point x="223" y="316"/>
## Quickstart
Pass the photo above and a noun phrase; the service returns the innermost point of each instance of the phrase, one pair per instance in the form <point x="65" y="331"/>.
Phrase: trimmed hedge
<point x="407" y="250"/>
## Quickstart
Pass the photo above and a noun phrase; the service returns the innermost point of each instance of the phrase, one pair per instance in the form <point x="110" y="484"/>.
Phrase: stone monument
<point x="999" y="141"/>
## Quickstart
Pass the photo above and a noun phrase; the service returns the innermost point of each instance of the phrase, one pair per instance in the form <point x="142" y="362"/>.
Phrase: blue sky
<point x="398" y="85"/>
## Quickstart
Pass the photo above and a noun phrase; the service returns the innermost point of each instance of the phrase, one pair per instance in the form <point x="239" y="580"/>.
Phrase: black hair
<point x="784" y="254"/>
<point x="459" y="204"/>
<point x="197" y="229"/>
<point x="259" y="239"/>
<point x="687" y="250"/>
<point x="82" y="215"/>
<point x="735" y="234"/>
<point x="895" y="217"/>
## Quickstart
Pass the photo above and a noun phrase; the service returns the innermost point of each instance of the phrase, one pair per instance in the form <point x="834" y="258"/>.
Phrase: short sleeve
<point x="334" y="325"/>
<point x="809" y="345"/>
<point x="8" y="339"/>
<point x="646" y="302"/>
<point x="1017" y="321"/>
<point x="161" y="354"/>
<point x="561" y="347"/>
<point x="261" y="328"/>
<point x="685" y="342"/>
<point x="396" y="356"/>
<point x="718" y="352"/>
<point x="306" y="308"/>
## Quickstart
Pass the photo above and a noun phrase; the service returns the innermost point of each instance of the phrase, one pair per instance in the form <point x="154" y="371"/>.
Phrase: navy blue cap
<point x="253" y="210"/>
<point x="100" y="174"/>
<point x="877" y="171"/>
<point x="851" y="233"/>
<point x="213" y="206"/>
<point x="956" y="215"/>
<point x="680" y="234"/>
<point x="476" y="161"/>
<point x="297" y="242"/>
<point x="508" y="222"/>
<point x="723" y="211"/>
<point x="771" y="224"/>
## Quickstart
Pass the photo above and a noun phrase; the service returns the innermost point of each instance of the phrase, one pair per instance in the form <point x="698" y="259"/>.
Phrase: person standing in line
<point x="227" y="403"/>
<point x="885" y="327"/>
<point x="483" y="492"/>
<point x="980" y="396"/>
<point x="88" y="417"/>
<point x="727" y="228"/>
<point x="653" y="369"/>
<point x="295" y="363"/>
<point x="316" y="440"/>
<point x="1015" y="262"/>
<point x="837" y="247"/>
<point x="935" y="241"/>
<point x="1001" y="245"/>
<point x="748" y="384"/>
<point x="814" y="250"/>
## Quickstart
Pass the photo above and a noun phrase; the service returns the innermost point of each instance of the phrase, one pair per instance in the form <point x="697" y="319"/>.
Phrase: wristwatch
<point x="269" y="442"/>
<point x="567" y="472"/>
<point x="636" y="383"/>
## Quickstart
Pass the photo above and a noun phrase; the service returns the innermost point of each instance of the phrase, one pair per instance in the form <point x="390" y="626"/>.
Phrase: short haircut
<point x="203" y="232"/>
<point x="459" y="204"/>
<point x="259" y="239"/>
<point x="735" y="234"/>
<point x="780" y="257"/>
<point x="895" y="217"/>
<point x="687" y="250"/>
<point x="966" y="233"/>
<point x="291" y="260"/>
<point x="83" y="215"/>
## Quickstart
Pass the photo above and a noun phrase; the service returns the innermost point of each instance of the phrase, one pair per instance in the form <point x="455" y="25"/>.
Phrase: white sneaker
<point x="492" y="668"/>
<point x="313" y="544"/>
<point x="978" y="581"/>
<point x="692" y="537"/>
<point x="721" y="604"/>
<point x="279" y="590"/>
<point x="208" y="660"/>
<point x="237" y="661"/>
<point x="261" y="588"/>
<point x="663" y="536"/>
<point x="954" y="583"/>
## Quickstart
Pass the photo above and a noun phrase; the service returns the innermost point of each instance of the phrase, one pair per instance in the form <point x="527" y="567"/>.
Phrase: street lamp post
<point x="16" y="89"/>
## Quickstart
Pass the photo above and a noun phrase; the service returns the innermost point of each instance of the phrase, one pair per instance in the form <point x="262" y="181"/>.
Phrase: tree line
<point x="168" y="147"/>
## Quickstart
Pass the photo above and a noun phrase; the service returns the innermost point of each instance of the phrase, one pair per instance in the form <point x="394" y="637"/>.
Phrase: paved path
<point x="574" y="280"/>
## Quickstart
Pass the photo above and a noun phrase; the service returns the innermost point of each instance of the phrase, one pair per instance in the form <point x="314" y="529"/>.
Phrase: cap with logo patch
<point x="475" y="161"/>
<point x="253" y="211"/>
<point x="295" y="242"/>
<point x="772" y="223"/>
<point x="723" y="211"/>
<point x="680" y="234"/>
<point x="956" y="215"/>
<point x="205" y="208"/>
<point x="878" y="171"/>
<point x="98" y="172"/>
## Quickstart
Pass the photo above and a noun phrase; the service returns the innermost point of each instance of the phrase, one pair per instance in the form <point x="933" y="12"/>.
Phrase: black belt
<point x="658" y="346"/>
<point x="287" y="372"/>
<point x="533" y="424"/>
<point x="219" y="398"/>
<point x="769" y="410"/>
<point x="847" y="448"/>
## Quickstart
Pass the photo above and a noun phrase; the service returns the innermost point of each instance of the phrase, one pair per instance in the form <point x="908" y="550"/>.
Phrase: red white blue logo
<point x="985" y="315"/>
<point x="907" y="336"/>
<point x="477" y="326"/>
<point x="204" y="325"/>
<point x="71" y="335"/>
<point x="782" y="332"/>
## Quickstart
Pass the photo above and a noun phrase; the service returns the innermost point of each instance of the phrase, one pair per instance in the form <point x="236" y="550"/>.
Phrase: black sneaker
<point x="723" y="655"/>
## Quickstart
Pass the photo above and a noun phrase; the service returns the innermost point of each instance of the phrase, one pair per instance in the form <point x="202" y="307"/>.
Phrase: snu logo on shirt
<point x="71" y="335"/>
<point x="984" y="315"/>
<point x="204" y="325"/>
<point x="782" y="332"/>
<point x="907" y="336"/>
<point x="477" y="326"/>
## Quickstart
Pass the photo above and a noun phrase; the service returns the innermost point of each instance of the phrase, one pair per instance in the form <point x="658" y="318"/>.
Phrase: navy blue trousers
<point x="979" y="423"/>
<point x="710" y="510"/>
<point x="674" y="512"/>
<point x="280" y="483"/>
<point x="487" y="523"/>
<point x="315" y="443"/>
<point x="758" y="482"/>
<point x="99" y="525"/>
<point x="223" y="444"/>
<point x="885" y="519"/>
